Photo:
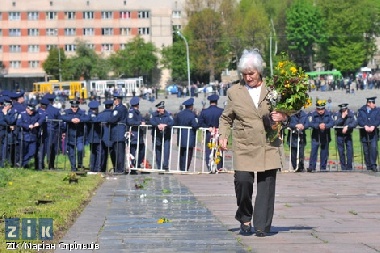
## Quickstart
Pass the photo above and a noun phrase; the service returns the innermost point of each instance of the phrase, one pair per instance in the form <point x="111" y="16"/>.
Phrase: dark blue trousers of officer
<point x="118" y="156"/>
<point x="163" y="151"/>
<point x="96" y="157"/>
<point x="208" y="152"/>
<point x="324" y="154"/>
<point x="182" y="158"/>
<point x="52" y="147"/>
<point x="75" y="151"/>
<point x="345" y="150"/>
<point x="370" y="153"/>
<point x="301" y="157"/>
<point x="29" y="151"/>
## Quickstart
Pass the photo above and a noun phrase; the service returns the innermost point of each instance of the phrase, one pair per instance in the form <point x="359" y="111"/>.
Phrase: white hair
<point x="250" y="60"/>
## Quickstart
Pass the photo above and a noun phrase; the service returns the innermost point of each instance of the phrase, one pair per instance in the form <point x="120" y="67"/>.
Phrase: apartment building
<point x="28" y="29"/>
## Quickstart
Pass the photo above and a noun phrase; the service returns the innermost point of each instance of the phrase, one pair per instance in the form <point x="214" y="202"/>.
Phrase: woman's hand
<point x="223" y="144"/>
<point x="278" y="116"/>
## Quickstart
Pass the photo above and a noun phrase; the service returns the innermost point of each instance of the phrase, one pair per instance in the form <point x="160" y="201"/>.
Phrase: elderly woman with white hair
<point x="249" y="114"/>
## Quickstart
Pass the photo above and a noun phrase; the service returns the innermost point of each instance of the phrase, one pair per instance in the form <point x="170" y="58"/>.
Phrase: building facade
<point x="28" y="29"/>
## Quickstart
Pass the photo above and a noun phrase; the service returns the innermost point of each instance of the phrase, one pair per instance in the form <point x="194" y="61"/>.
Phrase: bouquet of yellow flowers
<point x="215" y="157"/>
<point x="287" y="91"/>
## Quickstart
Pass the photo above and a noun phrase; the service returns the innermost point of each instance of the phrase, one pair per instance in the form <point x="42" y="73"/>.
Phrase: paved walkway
<point x="315" y="212"/>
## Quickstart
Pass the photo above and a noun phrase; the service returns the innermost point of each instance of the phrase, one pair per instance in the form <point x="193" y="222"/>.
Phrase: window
<point x="33" y="15"/>
<point x="33" y="64"/>
<point x="143" y="14"/>
<point x="70" y="31"/>
<point x="70" y="14"/>
<point x="107" y="31"/>
<point x="177" y="27"/>
<point x="88" y="31"/>
<point x="15" y="64"/>
<point x="91" y="46"/>
<point x="50" y="15"/>
<point x="122" y="46"/>
<point x="14" y="48"/>
<point x="33" y="32"/>
<point x="107" y="15"/>
<point x="176" y="14"/>
<point x="125" y="14"/>
<point x="48" y="47"/>
<point x="125" y="31"/>
<point x="1" y="48"/>
<point x="88" y="15"/>
<point x="144" y="30"/>
<point x="14" y="16"/>
<point x="15" y="32"/>
<point x="70" y="48"/>
<point x="33" y="48"/>
<point x="51" y="32"/>
<point x="107" y="47"/>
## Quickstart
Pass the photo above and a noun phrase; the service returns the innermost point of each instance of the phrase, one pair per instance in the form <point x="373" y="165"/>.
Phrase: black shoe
<point x="309" y="170"/>
<point x="245" y="230"/>
<point x="374" y="169"/>
<point x="260" y="233"/>
<point x="299" y="170"/>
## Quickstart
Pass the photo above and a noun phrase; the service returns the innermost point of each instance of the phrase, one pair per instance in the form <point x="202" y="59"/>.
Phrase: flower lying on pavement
<point x="163" y="220"/>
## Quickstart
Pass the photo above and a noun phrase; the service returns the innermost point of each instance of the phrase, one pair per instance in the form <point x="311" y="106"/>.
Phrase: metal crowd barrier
<point x="333" y="164"/>
<point x="12" y="150"/>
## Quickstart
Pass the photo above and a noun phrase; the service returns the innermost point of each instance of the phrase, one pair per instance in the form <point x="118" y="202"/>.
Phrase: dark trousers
<point x="264" y="204"/>
<point x="75" y="153"/>
<point x="324" y="155"/>
<point x="141" y="154"/>
<point x="118" y="156"/>
<point x="370" y="153"/>
<point x="95" y="157"/>
<point x="345" y="150"/>
<point x="182" y="159"/>
<point x="301" y="157"/>
<point x="163" y="151"/>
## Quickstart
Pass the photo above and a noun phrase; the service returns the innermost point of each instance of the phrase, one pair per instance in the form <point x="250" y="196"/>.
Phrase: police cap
<point x="343" y="106"/>
<point x="44" y="101"/>
<point x="320" y="104"/>
<point x="7" y="100"/>
<point x="117" y="95"/>
<point x="15" y="95"/>
<point x="108" y="102"/>
<point x="49" y="96"/>
<point x="371" y="99"/>
<point x="188" y="102"/>
<point x="213" y="97"/>
<point x="74" y="103"/>
<point x="161" y="105"/>
<point x="134" y="101"/>
<point x="93" y="104"/>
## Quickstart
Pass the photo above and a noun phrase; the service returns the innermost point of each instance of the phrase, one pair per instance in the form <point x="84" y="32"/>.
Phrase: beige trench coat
<point x="251" y="150"/>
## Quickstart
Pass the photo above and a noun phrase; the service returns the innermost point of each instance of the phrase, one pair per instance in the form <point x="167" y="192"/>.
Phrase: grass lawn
<point x="24" y="191"/>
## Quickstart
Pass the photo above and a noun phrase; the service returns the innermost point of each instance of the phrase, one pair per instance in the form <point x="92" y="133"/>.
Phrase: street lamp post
<point x="59" y="58"/>
<point x="187" y="58"/>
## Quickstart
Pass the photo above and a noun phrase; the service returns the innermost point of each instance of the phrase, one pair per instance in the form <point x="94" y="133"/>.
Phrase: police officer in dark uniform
<point x="52" y="130"/>
<point x="209" y="118"/>
<point x="136" y="138"/>
<point x="75" y="131"/>
<point x="369" y="120"/>
<point x="118" y="130"/>
<point x="18" y="105"/>
<point x="94" y="135"/>
<point x="297" y="139"/>
<point x="345" y="122"/>
<point x="7" y="119"/>
<point x="106" y="143"/>
<point x="162" y="123"/>
<point x="187" y="118"/>
<point x="321" y="121"/>
<point x="29" y="122"/>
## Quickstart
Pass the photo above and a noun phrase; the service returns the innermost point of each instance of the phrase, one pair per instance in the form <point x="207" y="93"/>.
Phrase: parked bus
<point x="70" y="89"/>
<point x="127" y="87"/>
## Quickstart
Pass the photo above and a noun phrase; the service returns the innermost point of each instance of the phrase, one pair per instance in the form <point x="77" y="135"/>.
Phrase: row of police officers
<point x="321" y="121"/>
<point x="41" y="131"/>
